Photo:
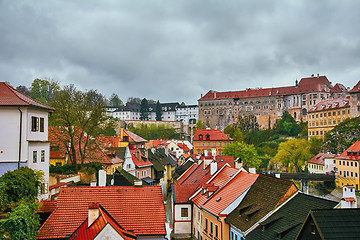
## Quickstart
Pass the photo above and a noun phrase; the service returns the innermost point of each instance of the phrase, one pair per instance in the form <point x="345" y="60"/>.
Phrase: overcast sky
<point x="177" y="50"/>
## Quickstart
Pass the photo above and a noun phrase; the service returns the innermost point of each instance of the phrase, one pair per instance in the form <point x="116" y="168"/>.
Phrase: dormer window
<point x="207" y="136"/>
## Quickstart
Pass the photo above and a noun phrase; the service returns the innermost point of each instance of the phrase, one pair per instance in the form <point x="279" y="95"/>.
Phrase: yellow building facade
<point x="326" y="115"/>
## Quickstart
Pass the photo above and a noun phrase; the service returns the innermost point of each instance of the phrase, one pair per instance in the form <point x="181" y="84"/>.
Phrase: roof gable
<point x="138" y="209"/>
<point x="9" y="96"/>
<point x="211" y="134"/>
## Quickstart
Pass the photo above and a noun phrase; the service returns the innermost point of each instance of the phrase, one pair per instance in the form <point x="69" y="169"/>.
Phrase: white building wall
<point x="108" y="232"/>
<point x="197" y="222"/>
<point x="185" y="225"/>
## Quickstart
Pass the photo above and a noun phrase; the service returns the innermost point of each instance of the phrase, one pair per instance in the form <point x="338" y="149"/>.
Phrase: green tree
<point x="21" y="223"/>
<point x="158" y="111"/>
<point x="42" y="90"/>
<point x="247" y="123"/>
<point x="23" y="89"/>
<point x="287" y="125"/>
<point x="134" y="100"/>
<point x="315" y="145"/>
<point x="22" y="183"/>
<point x="245" y="153"/>
<point x="144" y="110"/>
<point x="182" y="104"/>
<point x="81" y="117"/>
<point x="199" y="125"/>
<point x="115" y="101"/>
<point x="342" y="136"/>
<point x="293" y="154"/>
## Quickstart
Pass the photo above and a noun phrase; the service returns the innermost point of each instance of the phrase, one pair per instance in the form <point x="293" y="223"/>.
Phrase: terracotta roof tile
<point x="211" y="134"/>
<point x="60" y="184"/>
<point x="90" y="232"/>
<point x="9" y="96"/>
<point x="356" y="88"/>
<point x="138" y="209"/>
<point x="47" y="206"/>
<point x="352" y="153"/>
<point x="330" y="104"/>
<point x="142" y="162"/>
<point x="229" y="192"/>
<point x="134" y="137"/>
<point x="320" y="158"/>
<point x="183" y="192"/>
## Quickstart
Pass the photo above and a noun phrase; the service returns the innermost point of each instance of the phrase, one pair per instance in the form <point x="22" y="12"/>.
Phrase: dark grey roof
<point x="120" y="152"/>
<point x="287" y="220"/>
<point x="165" y="107"/>
<point x="122" y="178"/>
<point x="181" y="169"/>
<point x="337" y="223"/>
<point x="264" y="196"/>
<point x="187" y="106"/>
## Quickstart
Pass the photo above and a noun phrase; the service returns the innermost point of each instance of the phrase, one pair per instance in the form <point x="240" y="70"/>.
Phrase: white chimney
<point x="213" y="168"/>
<point x="205" y="153"/>
<point x="102" y="178"/>
<point x="349" y="198"/>
<point x="213" y="152"/>
<point x="93" y="212"/>
<point x="138" y="183"/>
<point x="252" y="170"/>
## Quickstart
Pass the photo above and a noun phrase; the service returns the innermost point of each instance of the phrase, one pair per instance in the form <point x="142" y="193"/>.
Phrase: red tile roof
<point x="330" y="104"/>
<point x="90" y="232"/>
<point x="352" y="153"/>
<point x="229" y="192"/>
<point x="183" y="147"/>
<point x="320" y="158"/>
<point x="138" y="209"/>
<point x="57" y="185"/>
<point x="133" y="137"/>
<point x="338" y="88"/>
<point x="183" y="192"/>
<point x="142" y="162"/>
<point x="47" y="206"/>
<point x="350" y="199"/>
<point x="187" y="173"/>
<point x="356" y="88"/>
<point x="211" y="134"/>
<point x="306" y="85"/>
<point x="9" y="96"/>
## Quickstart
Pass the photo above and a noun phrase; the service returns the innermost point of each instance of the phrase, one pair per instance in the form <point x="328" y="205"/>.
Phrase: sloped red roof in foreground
<point x="137" y="209"/>
<point x="90" y="232"/>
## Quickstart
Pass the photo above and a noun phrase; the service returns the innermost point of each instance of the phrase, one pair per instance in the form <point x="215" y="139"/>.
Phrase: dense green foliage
<point x="82" y="118"/>
<point x="21" y="223"/>
<point x="43" y="90"/>
<point x="199" y="125"/>
<point x="115" y="101"/>
<point x="244" y="153"/>
<point x="70" y="169"/>
<point x="22" y="183"/>
<point x="293" y="154"/>
<point x="287" y="125"/>
<point x="342" y="136"/>
<point x="154" y="131"/>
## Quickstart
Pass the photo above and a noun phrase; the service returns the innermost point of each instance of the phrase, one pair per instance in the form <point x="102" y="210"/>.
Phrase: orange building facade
<point x="210" y="141"/>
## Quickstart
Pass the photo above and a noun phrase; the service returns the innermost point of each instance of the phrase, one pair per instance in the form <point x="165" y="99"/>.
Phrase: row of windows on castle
<point x="334" y="113"/>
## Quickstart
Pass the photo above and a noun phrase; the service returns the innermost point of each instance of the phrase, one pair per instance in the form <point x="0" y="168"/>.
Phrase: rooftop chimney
<point x="102" y="178"/>
<point x="93" y="212"/>
<point x="252" y="170"/>
<point x="213" y="168"/>
<point x="138" y="183"/>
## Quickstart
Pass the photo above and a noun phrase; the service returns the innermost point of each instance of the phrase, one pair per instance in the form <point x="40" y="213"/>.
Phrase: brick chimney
<point x="93" y="212"/>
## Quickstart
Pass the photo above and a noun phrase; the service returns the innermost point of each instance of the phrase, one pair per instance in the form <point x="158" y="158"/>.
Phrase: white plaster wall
<point x="197" y="221"/>
<point x="38" y="136"/>
<point x="108" y="233"/>
<point x="43" y="166"/>
<point x="329" y="164"/>
<point x="182" y="227"/>
<point x="178" y="212"/>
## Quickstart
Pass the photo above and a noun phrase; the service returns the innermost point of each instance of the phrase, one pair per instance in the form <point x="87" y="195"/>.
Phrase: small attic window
<point x="200" y="136"/>
<point x="207" y="136"/>
<point x="218" y="199"/>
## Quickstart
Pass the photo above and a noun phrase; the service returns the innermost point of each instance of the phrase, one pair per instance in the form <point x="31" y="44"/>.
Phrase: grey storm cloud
<point x="177" y="50"/>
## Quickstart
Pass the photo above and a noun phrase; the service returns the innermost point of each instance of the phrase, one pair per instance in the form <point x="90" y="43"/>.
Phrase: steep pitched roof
<point x="338" y="88"/>
<point x="264" y="196"/>
<point x="90" y="232"/>
<point x="214" y="135"/>
<point x="320" y="158"/>
<point x="336" y="223"/>
<point x="287" y="220"/>
<point x="142" y="161"/>
<point x="122" y="178"/>
<point x="134" y="137"/>
<point x="182" y="193"/>
<point x="356" y="88"/>
<point x="9" y="96"/>
<point x="229" y="192"/>
<point x="137" y="209"/>
<point x="181" y="169"/>
<point x="217" y="181"/>
<point x="187" y="173"/>
<point x="352" y="153"/>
